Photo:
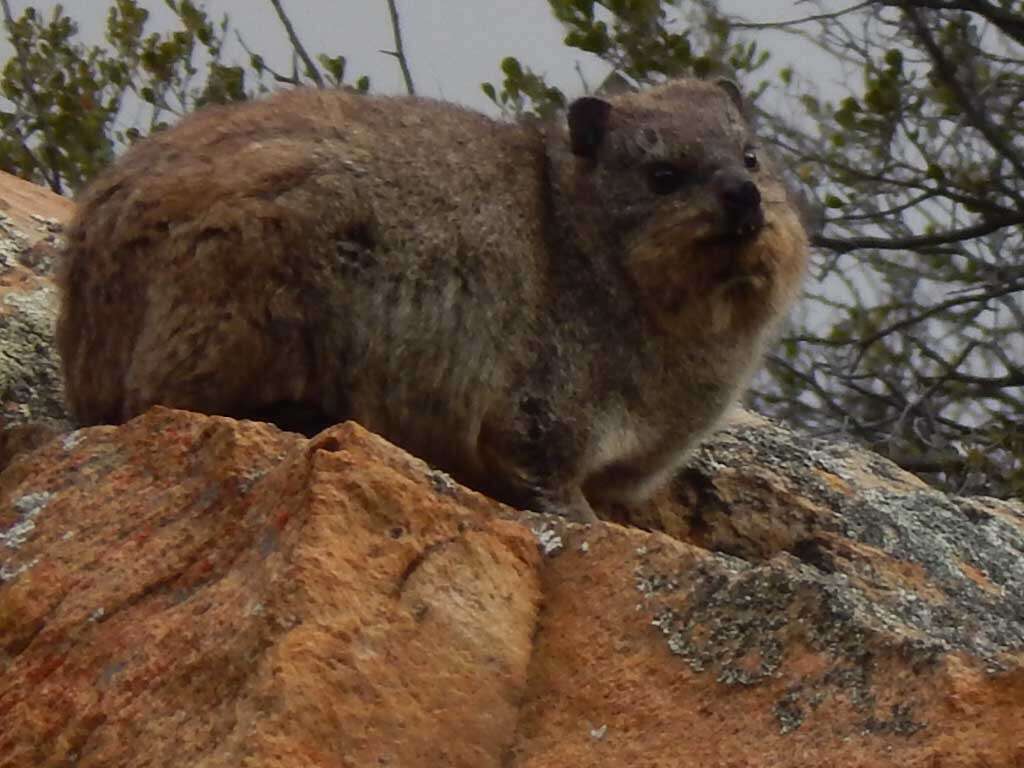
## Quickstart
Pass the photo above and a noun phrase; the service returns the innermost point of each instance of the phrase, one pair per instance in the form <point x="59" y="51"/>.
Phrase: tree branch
<point x="399" y="52"/>
<point x="737" y="24"/>
<point x="950" y="79"/>
<point x="311" y="68"/>
<point x="277" y="76"/>
<point x="1010" y="23"/>
<point x="916" y="242"/>
<point x="991" y="293"/>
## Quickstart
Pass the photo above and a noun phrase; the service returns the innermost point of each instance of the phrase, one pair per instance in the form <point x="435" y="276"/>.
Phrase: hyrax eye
<point x="750" y="160"/>
<point x="665" y="178"/>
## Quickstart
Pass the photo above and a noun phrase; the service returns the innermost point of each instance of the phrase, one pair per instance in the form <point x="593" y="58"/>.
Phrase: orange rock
<point x="29" y="206"/>
<point x="190" y="590"/>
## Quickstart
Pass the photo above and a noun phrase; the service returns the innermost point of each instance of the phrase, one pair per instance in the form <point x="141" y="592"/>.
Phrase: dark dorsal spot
<point x="354" y="247"/>
<point x="361" y="234"/>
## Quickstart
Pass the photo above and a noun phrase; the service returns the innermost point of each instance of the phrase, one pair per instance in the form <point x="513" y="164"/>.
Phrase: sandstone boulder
<point x="190" y="590"/>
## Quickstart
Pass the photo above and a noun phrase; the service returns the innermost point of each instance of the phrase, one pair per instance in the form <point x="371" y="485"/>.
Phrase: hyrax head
<point x="674" y="182"/>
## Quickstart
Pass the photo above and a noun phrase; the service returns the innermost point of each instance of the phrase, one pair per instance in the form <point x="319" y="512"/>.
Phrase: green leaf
<point x="510" y="67"/>
<point x="335" y="66"/>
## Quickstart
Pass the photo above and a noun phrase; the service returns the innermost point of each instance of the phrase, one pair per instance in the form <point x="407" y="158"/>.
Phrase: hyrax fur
<point x="554" y="314"/>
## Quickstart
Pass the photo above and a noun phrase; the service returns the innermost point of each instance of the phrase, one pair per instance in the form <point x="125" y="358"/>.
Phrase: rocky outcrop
<point x="187" y="590"/>
<point x="31" y="404"/>
<point x="190" y="590"/>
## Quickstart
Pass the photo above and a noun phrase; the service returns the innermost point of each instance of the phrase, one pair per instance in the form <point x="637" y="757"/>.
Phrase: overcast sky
<point x="452" y="45"/>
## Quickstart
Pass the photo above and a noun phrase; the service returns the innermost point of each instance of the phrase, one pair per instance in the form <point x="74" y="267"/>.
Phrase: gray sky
<point x="452" y="45"/>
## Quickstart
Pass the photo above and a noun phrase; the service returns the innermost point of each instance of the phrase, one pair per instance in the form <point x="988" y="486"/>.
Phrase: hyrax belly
<point x="482" y="294"/>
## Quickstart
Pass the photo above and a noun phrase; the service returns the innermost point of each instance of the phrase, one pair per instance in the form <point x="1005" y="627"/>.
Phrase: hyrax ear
<point x="588" y="123"/>
<point x="733" y="91"/>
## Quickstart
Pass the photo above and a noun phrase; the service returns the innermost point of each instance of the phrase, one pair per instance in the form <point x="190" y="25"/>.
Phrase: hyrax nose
<point x="740" y="200"/>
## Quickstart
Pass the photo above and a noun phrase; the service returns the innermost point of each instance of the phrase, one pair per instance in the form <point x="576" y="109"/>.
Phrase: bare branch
<point x="1010" y="23"/>
<point x="923" y="398"/>
<point x="927" y="463"/>
<point x="950" y="78"/>
<point x="311" y="68"/>
<point x="278" y="77"/>
<point x="981" y="296"/>
<point x="399" y="52"/>
<point x="737" y="24"/>
<point x="916" y="243"/>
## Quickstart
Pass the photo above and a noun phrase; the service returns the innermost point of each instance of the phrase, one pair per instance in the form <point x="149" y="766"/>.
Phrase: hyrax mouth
<point x="748" y="227"/>
<point x="730" y="236"/>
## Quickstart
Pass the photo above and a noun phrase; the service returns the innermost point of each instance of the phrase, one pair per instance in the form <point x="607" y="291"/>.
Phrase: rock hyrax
<point x="554" y="314"/>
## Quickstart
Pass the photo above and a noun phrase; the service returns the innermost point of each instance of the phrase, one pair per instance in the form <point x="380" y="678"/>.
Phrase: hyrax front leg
<point x="532" y="459"/>
<point x="568" y="501"/>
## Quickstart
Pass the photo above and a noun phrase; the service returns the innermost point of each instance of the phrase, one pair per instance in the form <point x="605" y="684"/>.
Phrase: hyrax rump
<point x="555" y="315"/>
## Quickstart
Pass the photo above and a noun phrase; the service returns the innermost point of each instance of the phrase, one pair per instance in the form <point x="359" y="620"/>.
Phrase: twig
<point x="736" y="24"/>
<point x="935" y="385"/>
<point x="399" y="52"/>
<point x="982" y="296"/>
<point x="927" y="463"/>
<point x="311" y="68"/>
<point x="278" y="77"/>
<point x="1008" y="21"/>
<point x="916" y="242"/>
<point x="947" y="71"/>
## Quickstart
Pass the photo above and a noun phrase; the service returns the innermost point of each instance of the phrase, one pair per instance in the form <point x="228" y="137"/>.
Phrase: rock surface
<point x="31" y="403"/>
<point x="190" y="590"/>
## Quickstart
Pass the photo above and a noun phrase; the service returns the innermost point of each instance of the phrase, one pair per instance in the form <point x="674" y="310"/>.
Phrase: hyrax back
<point x="555" y="316"/>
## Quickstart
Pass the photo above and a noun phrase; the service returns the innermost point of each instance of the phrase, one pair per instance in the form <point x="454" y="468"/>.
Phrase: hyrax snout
<point x="740" y="202"/>
<point x="555" y="315"/>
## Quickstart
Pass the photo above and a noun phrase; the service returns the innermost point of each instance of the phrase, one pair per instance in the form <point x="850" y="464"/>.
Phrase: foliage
<point x="71" y="107"/>
<point x="643" y="41"/>
<point x="918" y="172"/>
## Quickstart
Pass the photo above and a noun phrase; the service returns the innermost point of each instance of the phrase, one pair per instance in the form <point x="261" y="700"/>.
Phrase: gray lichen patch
<point x="549" y="539"/>
<point x="30" y="381"/>
<point x="442" y="482"/>
<point x="920" y="564"/>
<point x="36" y="251"/>
<point x="830" y="574"/>
<point x="774" y="447"/>
<point x="975" y="563"/>
<point x="9" y="571"/>
<point x="12" y="242"/>
<point x="745" y="624"/>
<point x="28" y="508"/>
<point x="734" y="619"/>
